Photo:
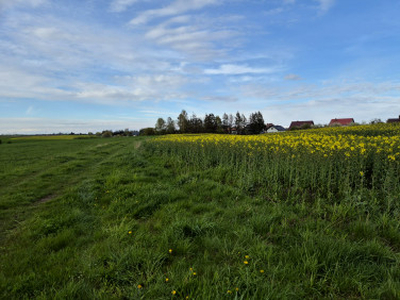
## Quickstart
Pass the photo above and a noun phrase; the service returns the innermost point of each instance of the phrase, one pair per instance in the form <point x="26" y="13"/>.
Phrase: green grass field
<point x="143" y="218"/>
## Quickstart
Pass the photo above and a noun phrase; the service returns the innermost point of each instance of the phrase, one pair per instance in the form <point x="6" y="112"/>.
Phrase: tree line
<point x="211" y="123"/>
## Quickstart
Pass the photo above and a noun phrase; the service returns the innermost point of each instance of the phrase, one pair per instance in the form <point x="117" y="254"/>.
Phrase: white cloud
<point x="230" y="69"/>
<point x="134" y="88"/>
<point x="200" y="38"/>
<point x="175" y="8"/>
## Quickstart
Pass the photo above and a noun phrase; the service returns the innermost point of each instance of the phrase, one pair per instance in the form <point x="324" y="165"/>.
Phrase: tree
<point x="244" y="121"/>
<point x="195" y="124"/>
<point x="218" y="123"/>
<point x="238" y="122"/>
<point x="230" y="122"/>
<point x="210" y="123"/>
<point x="256" y="123"/>
<point x="147" y="131"/>
<point x="160" y="126"/>
<point x="107" y="134"/>
<point x="170" y="127"/>
<point x="225" y="122"/>
<point x="183" y="122"/>
<point x="127" y="132"/>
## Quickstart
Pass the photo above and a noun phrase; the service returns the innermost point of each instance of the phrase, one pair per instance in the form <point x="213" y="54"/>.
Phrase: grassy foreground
<point x="132" y="218"/>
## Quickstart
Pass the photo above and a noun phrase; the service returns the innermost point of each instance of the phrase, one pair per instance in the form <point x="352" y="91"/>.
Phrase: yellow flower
<point x="237" y="289"/>
<point x="166" y="279"/>
<point x="194" y="273"/>
<point x="246" y="262"/>
<point x="139" y="286"/>
<point x="130" y="232"/>
<point x="247" y="257"/>
<point x="173" y="292"/>
<point x="261" y="271"/>
<point x="361" y="173"/>
<point x="191" y="269"/>
<point x="229" y="292"/>
<point x="170" y="251"/>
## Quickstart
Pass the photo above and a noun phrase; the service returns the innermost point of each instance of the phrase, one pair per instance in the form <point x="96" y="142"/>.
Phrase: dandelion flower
<point x="246" y="262"/>
<point x="361" y="173"/>
<point x="173" y="292"/>
<point x="130" y="232"/>
<point x="170" y="251"/>
<point x="247" y="257"/>
<point x="261" y="271"/>
<point x="139" y="286"/>
<point x="229" y="292"/>
<point x="194" y="273"/>
<point x="237" y="289"/>
<point x="166" y="279"/>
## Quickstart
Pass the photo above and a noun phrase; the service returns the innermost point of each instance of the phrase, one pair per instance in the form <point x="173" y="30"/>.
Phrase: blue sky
<point x="91" y="65"/>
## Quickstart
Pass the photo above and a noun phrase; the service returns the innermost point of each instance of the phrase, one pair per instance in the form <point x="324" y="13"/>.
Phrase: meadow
<point x="305" y="214"/>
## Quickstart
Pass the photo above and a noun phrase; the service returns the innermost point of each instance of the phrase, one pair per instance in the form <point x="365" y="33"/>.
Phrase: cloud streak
<point x="230" y="69"/>
<point x="175" y="8"/>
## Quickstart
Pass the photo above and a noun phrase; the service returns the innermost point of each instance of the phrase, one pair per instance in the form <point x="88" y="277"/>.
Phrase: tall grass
<point x="172" y="219"/>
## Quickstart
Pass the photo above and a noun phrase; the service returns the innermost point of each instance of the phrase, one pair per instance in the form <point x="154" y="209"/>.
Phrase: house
<point x="268" y="126"/>
<point x="275" y="128"/>
<point x="393" y="120"/>
<point x="341" y="122"/>
<point x="300" y="124"/>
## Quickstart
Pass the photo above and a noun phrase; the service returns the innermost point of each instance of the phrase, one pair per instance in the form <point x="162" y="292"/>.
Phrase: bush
<point x="107" y="134"/>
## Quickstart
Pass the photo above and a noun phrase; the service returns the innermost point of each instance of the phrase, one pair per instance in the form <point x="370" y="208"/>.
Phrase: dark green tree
<point x="210" y="123"/>
<point x="170" y="127"/>
<point x="183" y="122"/>
<point x="218" y="122"/>
<point x="256" y="123"/>
<point x="195" y="124"/>
<point x="238" y="123"/>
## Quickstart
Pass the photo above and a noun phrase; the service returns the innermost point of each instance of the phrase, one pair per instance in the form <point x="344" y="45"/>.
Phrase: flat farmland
<point x="305" y="214"/>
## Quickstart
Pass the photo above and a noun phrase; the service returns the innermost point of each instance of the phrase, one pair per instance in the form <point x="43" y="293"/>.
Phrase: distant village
<point x="239" y="124"/>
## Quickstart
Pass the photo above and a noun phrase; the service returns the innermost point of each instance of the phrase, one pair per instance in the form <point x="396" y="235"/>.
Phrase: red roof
<point x="268" y="125"/>
<point x="298" y="124"/>
<point x="393" y="120"/>
<point x="342" y="122"/>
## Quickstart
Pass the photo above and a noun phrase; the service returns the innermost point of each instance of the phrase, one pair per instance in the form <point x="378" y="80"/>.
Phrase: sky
<point x="91" y="65"/>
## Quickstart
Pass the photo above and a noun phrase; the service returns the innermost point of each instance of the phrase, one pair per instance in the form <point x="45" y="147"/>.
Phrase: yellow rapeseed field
<point x="348" y="141"/>
<point x="330" y="162"/>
